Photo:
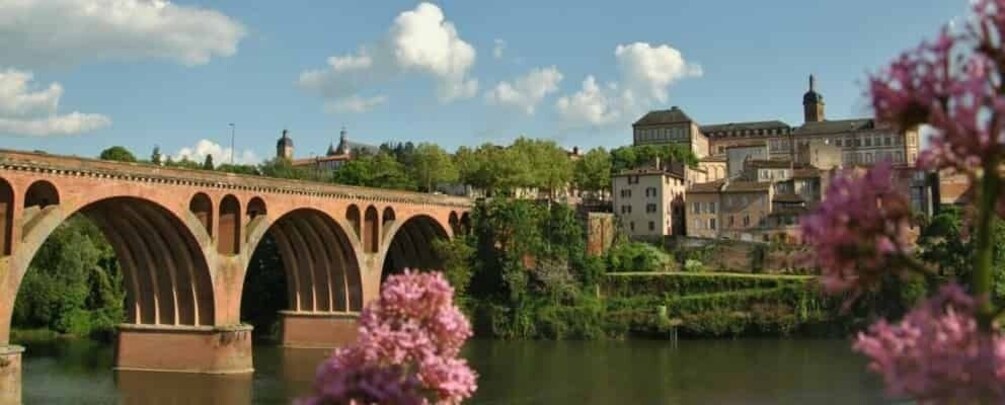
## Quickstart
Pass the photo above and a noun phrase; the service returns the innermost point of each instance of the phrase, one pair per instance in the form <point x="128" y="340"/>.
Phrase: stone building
<point x="335" y="157"/>
<point x="861" y="141"/>
<point x="649" y="202"/>
<point x="730" y="209"/>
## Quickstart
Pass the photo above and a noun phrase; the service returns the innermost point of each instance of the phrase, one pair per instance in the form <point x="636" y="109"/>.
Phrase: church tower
<point x="284" y="147"/>
<point x="813" y="104"/>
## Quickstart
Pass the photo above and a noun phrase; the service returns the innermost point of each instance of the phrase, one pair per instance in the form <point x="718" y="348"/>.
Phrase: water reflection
<point x="518" y="372"/>
<point x="144" y="387"/>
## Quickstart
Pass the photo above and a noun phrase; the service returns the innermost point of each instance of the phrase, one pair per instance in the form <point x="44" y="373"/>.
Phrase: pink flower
<point x="955" y="93"/>
<point x="857" y="229"/>
<point x="407" y="348"/>
<point x="936" y="354"/>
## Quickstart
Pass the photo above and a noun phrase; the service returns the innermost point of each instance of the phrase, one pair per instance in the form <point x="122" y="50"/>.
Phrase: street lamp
<point x="232" y="151"/>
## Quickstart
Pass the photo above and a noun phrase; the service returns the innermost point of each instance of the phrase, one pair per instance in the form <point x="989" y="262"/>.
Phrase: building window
<point x="731" y="223"/>
<point x="652" y="226"/>
<point x="650" y="208"/>
<point x="711" y="207"/>
<point x="632" y="226"/>
<point x="899" y="157"/>
<point x="694" y="208"/>
<point x="711" y="223"/>
<point x="746" y="221"/>
<point x="887" y="141"/>
<point x="838" y="142"/>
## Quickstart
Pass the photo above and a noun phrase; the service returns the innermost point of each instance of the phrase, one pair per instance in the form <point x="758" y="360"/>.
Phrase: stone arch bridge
<point x="184" y="240"/>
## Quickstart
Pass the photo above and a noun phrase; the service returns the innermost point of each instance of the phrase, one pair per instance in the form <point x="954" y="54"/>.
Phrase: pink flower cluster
<point x="955" y="93"/>
<point x="936" y="353"/>
<point x="406" y="351"/>
<point x="857" y="229"/>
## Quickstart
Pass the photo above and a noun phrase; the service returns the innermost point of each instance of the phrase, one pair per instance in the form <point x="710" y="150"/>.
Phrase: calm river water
<point x="522" y="372"/>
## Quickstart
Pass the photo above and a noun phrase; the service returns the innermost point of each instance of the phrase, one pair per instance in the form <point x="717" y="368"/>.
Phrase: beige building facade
<point x="649" y="203"/>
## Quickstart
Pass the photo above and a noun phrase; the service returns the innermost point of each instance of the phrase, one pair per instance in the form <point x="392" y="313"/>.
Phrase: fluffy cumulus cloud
<point x="420" y="41"/>
<point x="61" y="32"/>
<point x="646" y="73"/>
<point x="527" y="91"/>
<point x="220" y="154"/>
<point x="35" y="112"/>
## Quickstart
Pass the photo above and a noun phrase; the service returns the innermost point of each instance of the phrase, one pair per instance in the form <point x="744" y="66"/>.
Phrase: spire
<point x="812" y="82"/>
<point x="343" y="143"/>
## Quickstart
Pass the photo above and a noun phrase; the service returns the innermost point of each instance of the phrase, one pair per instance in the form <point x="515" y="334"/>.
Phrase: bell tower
<point x="284" y="147"/>
<point x="813" y="104"/>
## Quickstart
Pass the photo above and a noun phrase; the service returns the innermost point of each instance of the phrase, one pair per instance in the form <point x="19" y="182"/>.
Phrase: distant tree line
<point x="498" y="170"/>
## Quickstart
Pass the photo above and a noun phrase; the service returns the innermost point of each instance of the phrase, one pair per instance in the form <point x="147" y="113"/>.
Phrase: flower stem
<point x="983" y="276"/>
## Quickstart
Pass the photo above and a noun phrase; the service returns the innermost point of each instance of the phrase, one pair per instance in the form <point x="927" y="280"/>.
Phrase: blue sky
<point x="144" y="73"/>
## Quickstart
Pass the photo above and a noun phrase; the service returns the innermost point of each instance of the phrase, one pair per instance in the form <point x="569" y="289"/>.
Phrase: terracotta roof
<point x="714" y="158"/>
<point x="835" y="126"/>
<point x="710" y="187"/>
<point x="649" y="171"/>
<point x="672" y="116"/>
<point x="746" y="186"/>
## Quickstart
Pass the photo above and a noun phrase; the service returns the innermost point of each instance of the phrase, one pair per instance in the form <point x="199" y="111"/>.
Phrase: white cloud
<point x="653" y="69"/>
<point x="220" y="154"/>
<point x="36" y="113"/>
<point x="498" y="49"/>
<point x="527" y="91"/>
<point x="420" y="41"/>
<point x="67" y="32"/>
<point x="592" y="105"/>
<point x="354" y="104"/>
<point x="646" y="73"/>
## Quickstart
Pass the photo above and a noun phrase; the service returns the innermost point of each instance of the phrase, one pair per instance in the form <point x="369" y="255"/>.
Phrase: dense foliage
<point x="73" y="284"/>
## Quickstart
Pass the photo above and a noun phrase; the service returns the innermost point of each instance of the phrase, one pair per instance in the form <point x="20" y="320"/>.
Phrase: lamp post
<point x="232" y="150"/>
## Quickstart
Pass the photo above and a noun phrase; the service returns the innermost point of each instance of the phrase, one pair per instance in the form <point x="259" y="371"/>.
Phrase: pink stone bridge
<point x="184" y="240"/>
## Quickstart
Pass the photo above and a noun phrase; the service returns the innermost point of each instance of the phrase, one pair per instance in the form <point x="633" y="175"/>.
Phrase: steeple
<point x="343" y="144"/>
<point x="284" y="146"/>
<point x="813" y="103"/>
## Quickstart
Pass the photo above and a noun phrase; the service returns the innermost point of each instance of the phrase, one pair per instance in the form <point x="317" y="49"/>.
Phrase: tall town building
<point x="649" y="201"/>
<point x="862" y="141"/>
<point x="335" y="157"/>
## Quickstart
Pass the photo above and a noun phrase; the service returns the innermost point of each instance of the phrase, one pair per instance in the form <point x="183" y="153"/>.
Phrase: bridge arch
<point x="167" y="278"/>
<point x="6" y="217"/>
<point x="318" y="258"/>
<point x="41" y="194"/>
<point x="410" y="245"/>
<point x="229" y="236"/>
<point x="202" y="207"/>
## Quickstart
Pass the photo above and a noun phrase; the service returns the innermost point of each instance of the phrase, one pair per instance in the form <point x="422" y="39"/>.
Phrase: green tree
<point x="631" y="157"/>
<point x="208" y="163"/>
<point x="118" y="154"/>
<point x="238" y="169"/>
<point x="73" y="284"/>
<point x="282" y="168"/>
<point x="431" y="165"/>
<point x="593" y="171"/>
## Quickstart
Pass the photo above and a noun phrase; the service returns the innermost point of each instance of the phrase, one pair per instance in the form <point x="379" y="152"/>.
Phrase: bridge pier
<point x="10" y="374"/>
<point x="184" y="349"/>
<point x="318" y="329"/>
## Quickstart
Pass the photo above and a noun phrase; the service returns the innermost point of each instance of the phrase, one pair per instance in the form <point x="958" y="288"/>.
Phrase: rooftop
<point x="672" y="116"/>
<point x="835" y="126"/>
<point x="746" y="186"/>
<point x="710" y="187"/>
<point x="756" y="126"/>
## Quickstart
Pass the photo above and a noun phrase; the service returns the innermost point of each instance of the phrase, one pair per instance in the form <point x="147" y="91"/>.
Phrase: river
<point x="744" y="371"/>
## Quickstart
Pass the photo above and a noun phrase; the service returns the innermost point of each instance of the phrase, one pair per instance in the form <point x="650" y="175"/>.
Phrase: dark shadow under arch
<point x="371" y="234"/>
<point x="42" y="194"/>
<point x="6" y="217"/>
<point x="202" y="207"/>
<point x="412" y="248"/>
<point x="319" y="269"/>
<point x="165" y="275"/>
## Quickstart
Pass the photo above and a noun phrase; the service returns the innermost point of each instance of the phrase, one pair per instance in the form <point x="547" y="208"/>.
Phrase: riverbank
<point x="709" y="305"/>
